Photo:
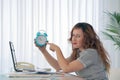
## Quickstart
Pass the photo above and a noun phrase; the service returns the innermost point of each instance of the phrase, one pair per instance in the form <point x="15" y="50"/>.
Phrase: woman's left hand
<point x="53" y="47"/>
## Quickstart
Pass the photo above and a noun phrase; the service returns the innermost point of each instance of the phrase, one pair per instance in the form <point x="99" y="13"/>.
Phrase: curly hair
<point x="91" y="40"/>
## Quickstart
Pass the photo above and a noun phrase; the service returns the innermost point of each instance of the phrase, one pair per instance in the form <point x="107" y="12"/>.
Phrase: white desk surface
<point x="22" y="76"/>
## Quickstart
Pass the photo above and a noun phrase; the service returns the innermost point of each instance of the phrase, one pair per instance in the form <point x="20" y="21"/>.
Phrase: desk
<point x="42" y="77"/>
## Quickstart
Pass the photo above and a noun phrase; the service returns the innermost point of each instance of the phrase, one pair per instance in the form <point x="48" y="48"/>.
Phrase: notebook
<point x="15" y="63"/>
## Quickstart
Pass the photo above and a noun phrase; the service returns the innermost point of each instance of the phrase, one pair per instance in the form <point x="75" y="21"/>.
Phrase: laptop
<point x="15" y="63"/>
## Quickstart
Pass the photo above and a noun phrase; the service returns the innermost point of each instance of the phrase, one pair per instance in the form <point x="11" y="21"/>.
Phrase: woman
<point x="88" y="59"/>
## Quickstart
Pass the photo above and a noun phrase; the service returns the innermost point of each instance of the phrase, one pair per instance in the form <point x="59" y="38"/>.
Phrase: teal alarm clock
<point x="41" y="39"/>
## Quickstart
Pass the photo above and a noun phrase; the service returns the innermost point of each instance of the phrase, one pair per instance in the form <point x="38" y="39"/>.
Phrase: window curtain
<point x="20" y="20"/>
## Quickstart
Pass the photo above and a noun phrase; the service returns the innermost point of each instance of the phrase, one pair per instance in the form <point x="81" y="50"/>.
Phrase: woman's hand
<point x="42" y="49"/>
<point x="53" y="47"/>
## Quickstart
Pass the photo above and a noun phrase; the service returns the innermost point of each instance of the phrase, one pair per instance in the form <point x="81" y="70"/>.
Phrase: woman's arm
<point x="52" y="61"/>
<point x="65" y="65"/>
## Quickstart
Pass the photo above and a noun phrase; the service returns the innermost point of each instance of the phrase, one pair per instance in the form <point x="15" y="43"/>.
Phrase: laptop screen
<point x="13" y="56"/>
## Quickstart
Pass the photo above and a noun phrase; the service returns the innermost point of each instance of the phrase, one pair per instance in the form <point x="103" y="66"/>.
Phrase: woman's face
<point x="77" y="39"/>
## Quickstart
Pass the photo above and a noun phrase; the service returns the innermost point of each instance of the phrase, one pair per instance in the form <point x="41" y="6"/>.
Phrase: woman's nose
<point x="74" y="38"/>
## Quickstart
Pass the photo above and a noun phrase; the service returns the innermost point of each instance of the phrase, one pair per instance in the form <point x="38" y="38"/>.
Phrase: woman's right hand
<point x="42" y="49"/>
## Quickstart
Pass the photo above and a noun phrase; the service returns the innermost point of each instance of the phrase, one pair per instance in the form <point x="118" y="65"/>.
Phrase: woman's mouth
<point x="74" y="43"/>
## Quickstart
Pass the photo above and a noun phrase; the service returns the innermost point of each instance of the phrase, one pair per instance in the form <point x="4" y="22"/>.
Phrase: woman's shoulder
<point x="89" y="51"/>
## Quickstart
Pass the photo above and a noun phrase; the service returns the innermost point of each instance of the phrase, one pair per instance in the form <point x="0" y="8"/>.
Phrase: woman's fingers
<point x="52" y="46"/>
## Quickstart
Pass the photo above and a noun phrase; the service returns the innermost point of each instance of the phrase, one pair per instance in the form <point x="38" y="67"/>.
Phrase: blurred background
<point x="20" y="20"/>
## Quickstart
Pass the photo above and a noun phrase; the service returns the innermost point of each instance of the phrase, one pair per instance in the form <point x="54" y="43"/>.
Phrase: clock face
<point x="41" y="40"/>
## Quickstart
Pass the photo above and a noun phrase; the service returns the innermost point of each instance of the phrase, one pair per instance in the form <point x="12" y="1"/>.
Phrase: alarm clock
<point x="41" y="39"/>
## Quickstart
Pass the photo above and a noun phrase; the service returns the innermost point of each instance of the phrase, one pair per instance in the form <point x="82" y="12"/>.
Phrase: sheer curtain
<point x="20" y="20"/>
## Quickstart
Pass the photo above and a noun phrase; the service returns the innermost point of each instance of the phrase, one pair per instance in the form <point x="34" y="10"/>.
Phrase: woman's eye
<point x="77" y="36"/>
<point x="72" y="35"/>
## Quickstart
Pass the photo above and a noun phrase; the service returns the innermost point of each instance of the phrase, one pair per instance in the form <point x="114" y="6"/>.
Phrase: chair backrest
<point x="114" y="74"/>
